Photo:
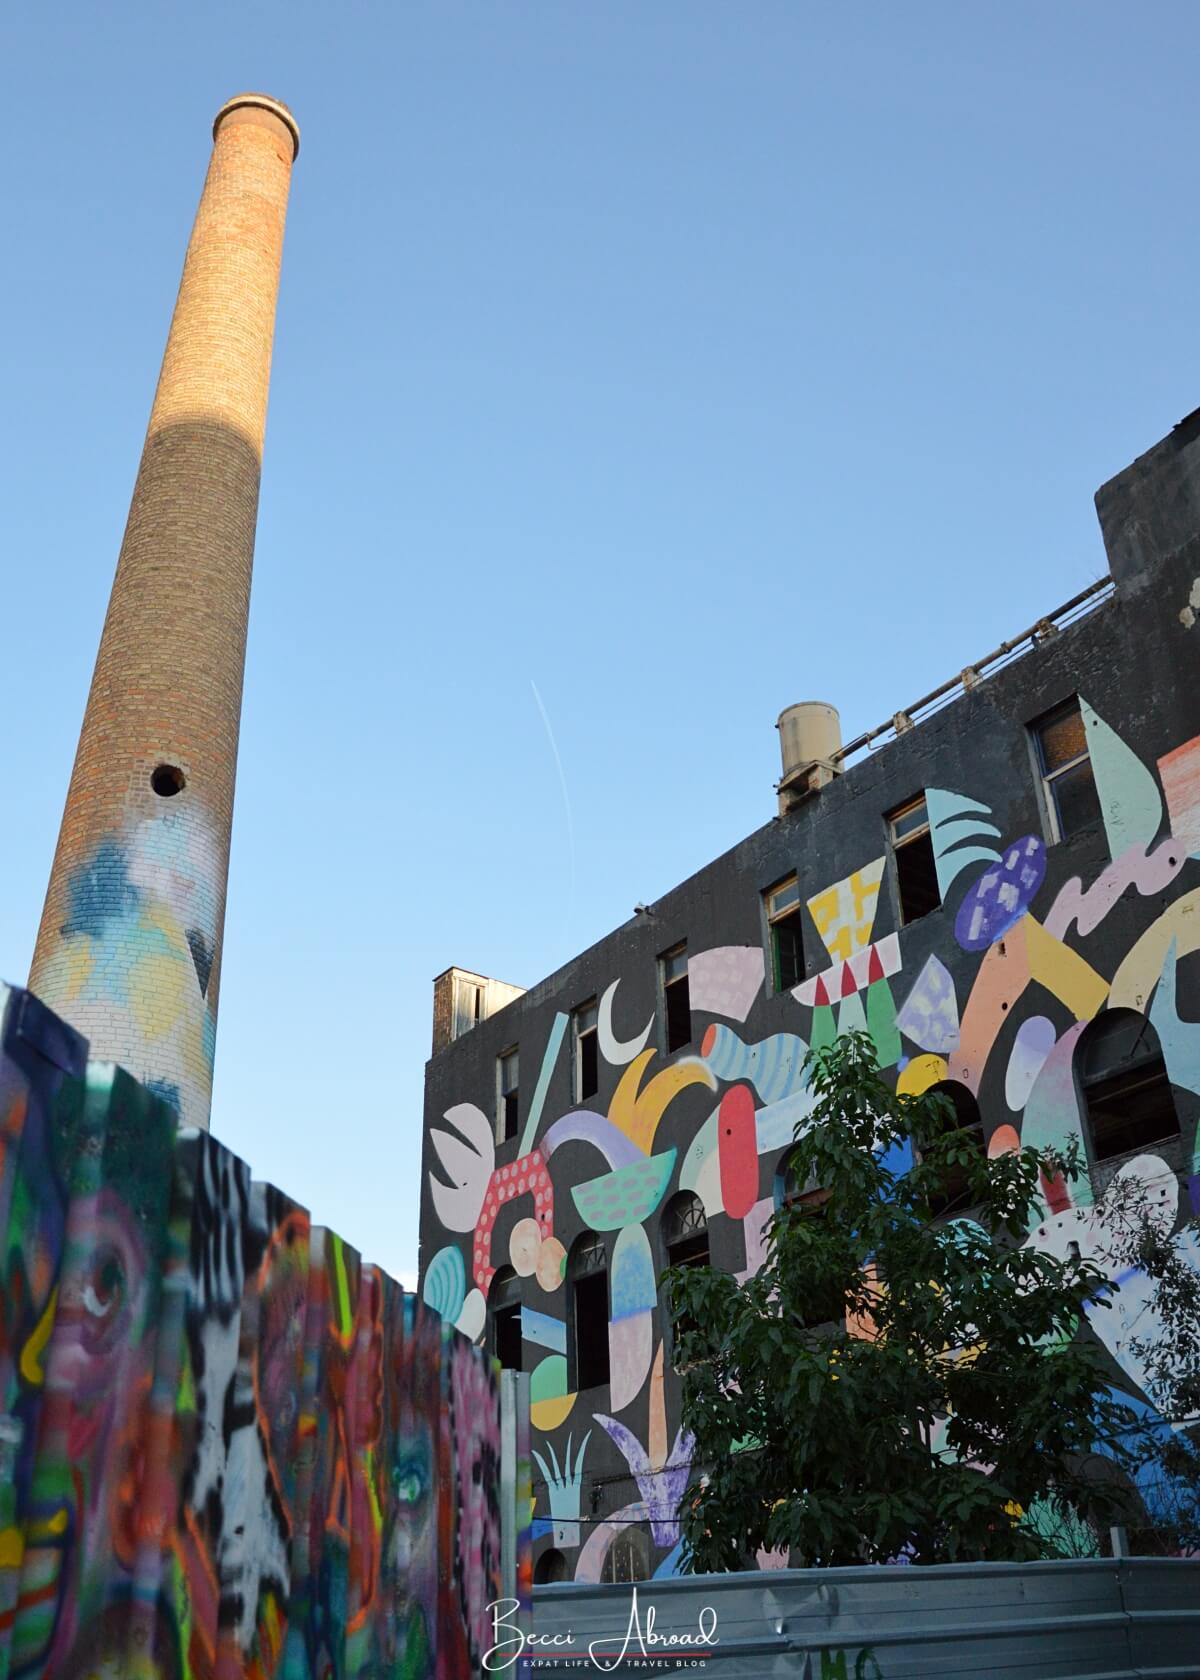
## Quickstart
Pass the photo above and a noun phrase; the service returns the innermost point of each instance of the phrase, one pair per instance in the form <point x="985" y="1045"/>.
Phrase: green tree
<point x="962" y="1401"/>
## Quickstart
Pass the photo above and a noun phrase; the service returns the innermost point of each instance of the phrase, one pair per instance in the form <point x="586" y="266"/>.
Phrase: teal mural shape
<point x="1129" y="798"/>
<point x="955" y="821"/>
<point x="1180" y="1040"/>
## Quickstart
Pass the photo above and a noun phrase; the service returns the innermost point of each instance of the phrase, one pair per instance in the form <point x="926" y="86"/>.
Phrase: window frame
<point x="773" y="921"/>
<point x="1150" y="1062"/>
<point x="897" y="845"/>
<point x="505" y="1282"/>
<point x="665" y="987"/>
<point x="503" y="1135"/>
<point x="582" y="1265"/>
<point x="1046" y="778"/>
<point x="578" y="1035"/>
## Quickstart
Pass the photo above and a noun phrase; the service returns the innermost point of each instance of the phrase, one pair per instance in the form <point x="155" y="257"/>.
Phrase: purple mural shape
<point x="1001" y="895"/>
<point x="661" y="1488"/>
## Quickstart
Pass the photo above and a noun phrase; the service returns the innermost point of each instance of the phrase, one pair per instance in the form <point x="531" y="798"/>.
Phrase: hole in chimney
<point x="167" y="780"/>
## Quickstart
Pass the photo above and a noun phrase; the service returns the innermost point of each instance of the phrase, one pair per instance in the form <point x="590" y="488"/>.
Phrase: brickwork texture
<point x="129" y="947"/>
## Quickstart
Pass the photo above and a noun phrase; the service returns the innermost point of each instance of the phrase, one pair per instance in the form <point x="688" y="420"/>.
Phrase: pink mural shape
<point x="1179" y="773"/>
<point x="873" y="962"/>
<point x="726" y="980"/>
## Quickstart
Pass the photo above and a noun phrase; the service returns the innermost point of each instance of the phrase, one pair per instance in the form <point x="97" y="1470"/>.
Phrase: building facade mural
<point x="1006" y="897"/>
<point x="227" y="1447"/>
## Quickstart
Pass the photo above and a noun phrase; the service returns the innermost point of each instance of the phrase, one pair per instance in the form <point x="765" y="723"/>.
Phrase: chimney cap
<point x="261" y="102"/>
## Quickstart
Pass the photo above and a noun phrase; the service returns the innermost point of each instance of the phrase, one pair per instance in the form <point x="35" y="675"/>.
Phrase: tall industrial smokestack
<point x="129" y="948"/>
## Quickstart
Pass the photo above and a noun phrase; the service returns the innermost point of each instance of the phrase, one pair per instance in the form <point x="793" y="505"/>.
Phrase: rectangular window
<point x="677" y="1003"/>
<point x="912" y="855"/>
<point x="506" y="1336"/>
<point x="468" y="1006"/>
<point x="1066" y="767"/>
<point x="784" y="921"/>
<point x="591" y="1330"/>
<point x="507" y="1103"/>
<point x="587" y="1060"/>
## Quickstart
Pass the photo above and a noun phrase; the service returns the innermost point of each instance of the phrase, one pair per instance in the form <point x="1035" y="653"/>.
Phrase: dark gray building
<point x="1002" y="886"/>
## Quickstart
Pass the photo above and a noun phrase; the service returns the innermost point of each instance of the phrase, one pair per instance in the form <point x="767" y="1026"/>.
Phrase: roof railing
<point x="970" y="678"/>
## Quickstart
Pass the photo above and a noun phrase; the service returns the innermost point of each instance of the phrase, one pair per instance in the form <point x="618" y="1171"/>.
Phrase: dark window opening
<point x="550" y="1567"/>
<point x="792" y="1191"/>
<point x="1066" y="766"/>
<point x="916" y="870"/>
<point x="627" y="1559"/>
<point x="504" y="1311"/>
<point x="956" y="1181"/>
<point x="587" y="1054"/>
<point x="1126" y="1091"/>
<point x="587" y="1269"/>
<point x="685" y="1243"/>
<point x="785" y="917"/>
<point x="507" y="1103"/>
<point x="167" y="780"/>
<point x="826" y="1304"/>
<point x="677" y="1002"/>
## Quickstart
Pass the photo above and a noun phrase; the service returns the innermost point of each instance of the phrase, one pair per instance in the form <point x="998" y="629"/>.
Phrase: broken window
<point x="967" y="1120"/>
<point x="507" y="1104"/>
<point x="912" y="855"/>
<point x="1126" y="1092"/>
<point x="587" y="1056"/>
<point x="504" y="1312"/>
<point x="1066" y="766"/>
<point x="587" y="1277"/>
<point x="677" y="1005"/>
<point x="784" y="918"/>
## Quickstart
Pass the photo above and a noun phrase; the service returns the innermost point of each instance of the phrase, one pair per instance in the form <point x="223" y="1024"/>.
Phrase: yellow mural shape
<point x="636" y="1112"/>
<point x="920" y="1074"/>
<point x="548" y="1414"/>
<point x="1063" y="971"/>
<point x="845" y="912"/>
<point x="1143" y="963"/>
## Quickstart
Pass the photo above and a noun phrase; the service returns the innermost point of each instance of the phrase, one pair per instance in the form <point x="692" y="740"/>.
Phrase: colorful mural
<point x="227" y="1447"/>
<point x="1027" y="956"/>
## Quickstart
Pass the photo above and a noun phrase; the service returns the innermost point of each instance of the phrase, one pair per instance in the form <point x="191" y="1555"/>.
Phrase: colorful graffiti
<point x="1002" y="1008"/>
<point x="227" y="1447"/>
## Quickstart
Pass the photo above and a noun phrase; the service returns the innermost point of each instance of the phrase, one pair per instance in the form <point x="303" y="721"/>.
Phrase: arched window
<point x="504" y="1314"/>
<point x="587" y="1279"/>
<point x="1123" y="1080"/>
<point x="628" y="1558"/>
<point x="685" y="1231"/>
<point x="792" y="1191"/>
<point x="967" y="1119"/>
<point x="551" y="1566"/>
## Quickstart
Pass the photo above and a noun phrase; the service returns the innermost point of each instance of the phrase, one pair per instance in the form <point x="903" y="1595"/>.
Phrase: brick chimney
<point x="129" y="948"/>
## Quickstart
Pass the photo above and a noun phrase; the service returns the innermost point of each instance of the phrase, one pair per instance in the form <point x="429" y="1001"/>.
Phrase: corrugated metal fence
<point x="1098" y="1618"/>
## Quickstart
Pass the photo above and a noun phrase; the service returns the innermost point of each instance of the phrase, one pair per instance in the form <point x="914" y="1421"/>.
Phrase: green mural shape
<point x="626" y="1196"/>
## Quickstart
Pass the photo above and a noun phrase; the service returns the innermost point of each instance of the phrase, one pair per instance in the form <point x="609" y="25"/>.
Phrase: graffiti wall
<point x="1045" y="967"/>
<point x="227" y="1446"/>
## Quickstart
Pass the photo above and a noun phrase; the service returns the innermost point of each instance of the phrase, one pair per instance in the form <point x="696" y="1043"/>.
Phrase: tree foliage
<point x="949" y="1397"/>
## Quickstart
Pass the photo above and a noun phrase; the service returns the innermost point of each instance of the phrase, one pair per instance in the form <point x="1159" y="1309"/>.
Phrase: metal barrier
<point x="1090" y="1619"/>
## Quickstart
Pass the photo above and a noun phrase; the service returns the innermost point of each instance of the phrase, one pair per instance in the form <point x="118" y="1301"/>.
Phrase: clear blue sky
<point x="683" y="359"/>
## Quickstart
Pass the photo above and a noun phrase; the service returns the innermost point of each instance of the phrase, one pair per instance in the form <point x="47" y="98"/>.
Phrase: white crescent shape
<point x="613" y="1051"/>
